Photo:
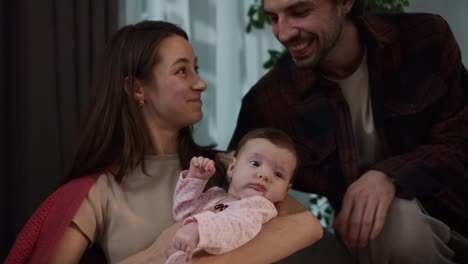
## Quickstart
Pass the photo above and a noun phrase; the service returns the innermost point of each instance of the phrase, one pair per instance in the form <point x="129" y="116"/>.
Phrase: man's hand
<point x="186" y="239"/>
<point x="201" y="168"/>
<point x="365" y="207"/>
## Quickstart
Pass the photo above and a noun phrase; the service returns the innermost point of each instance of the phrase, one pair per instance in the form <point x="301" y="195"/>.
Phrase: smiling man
<point x="378" y="107"/>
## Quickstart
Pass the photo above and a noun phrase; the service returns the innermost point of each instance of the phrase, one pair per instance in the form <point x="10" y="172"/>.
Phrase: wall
<point x="454" y="11"/>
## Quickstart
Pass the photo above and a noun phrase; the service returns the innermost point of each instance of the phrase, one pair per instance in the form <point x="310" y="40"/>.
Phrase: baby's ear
<point x="225" y="158"/>
<point x="230" y="169"/>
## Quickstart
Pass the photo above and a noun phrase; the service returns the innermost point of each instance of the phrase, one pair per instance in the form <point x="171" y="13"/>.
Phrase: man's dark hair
<point x="358" y="9"/>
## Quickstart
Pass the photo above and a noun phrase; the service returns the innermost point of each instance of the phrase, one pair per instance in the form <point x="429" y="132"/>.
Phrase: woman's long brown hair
<point x="114" y="131"/>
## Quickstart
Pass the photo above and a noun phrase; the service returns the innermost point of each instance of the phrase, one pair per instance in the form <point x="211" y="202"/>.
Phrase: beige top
<point x="128" y="217"/>
<point x="355" y="90"/>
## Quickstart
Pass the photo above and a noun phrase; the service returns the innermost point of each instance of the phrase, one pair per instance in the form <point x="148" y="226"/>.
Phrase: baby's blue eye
<point x="254" y="163"/>
<point x="181" y="71"/>
<point x="278" y="174"/>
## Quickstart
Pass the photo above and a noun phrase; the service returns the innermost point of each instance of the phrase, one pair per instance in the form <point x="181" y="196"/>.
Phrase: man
<point x="378" y="108"/>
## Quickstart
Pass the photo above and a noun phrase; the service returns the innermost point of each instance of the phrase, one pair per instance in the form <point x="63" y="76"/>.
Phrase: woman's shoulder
<point x="85" y="183"/>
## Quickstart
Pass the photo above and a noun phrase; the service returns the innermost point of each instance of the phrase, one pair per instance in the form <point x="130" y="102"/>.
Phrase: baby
<point x="218" y="221"/>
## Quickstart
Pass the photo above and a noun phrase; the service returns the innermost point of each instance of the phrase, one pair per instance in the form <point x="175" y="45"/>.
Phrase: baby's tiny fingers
<point x="212" y="166"/>
<point x="206" y="163"/>
<point x="194" y="161"/>
<point x="176" y="245"/>
<point x="189" y="255"/>
<point x="200" y="161"/>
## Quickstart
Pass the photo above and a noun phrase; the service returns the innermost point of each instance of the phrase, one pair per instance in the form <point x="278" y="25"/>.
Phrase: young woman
<point x="135" y="142"/>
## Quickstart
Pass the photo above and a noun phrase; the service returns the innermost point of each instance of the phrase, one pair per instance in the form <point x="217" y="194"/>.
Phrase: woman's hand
<point x="186" y="239"/>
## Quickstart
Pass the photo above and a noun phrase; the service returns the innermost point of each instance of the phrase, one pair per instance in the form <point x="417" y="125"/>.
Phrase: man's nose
<point x="285" y="30"/>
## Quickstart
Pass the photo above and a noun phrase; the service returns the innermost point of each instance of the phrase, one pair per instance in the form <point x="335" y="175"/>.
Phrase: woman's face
<point x="173" y="97"/>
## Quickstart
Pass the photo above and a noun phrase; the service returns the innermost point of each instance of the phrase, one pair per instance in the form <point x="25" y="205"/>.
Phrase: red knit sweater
<point x="41" y="234"/>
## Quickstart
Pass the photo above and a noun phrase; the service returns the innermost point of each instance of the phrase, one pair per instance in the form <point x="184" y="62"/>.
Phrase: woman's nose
<point x="199" y="85"/>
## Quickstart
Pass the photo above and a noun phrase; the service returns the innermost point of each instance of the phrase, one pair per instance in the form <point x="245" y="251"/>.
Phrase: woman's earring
<point x="141" y="103"/>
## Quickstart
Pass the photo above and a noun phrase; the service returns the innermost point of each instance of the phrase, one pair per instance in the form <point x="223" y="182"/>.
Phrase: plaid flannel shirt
<point x="419" y="90"/>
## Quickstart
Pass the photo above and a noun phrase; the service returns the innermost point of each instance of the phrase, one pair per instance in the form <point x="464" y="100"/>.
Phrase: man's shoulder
<point x="413" y="24"/>
<point x="412" y="18"/>
<point x="273" y="80"/>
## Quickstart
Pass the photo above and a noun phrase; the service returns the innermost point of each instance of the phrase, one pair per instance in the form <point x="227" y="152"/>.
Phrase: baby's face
<point x="262" y="168"/>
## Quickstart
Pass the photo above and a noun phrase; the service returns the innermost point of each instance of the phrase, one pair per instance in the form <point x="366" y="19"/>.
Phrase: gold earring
<point x="141" y="103"/>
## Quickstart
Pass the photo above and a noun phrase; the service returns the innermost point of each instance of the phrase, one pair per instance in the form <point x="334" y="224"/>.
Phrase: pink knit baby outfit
<point x="236" y="224"/>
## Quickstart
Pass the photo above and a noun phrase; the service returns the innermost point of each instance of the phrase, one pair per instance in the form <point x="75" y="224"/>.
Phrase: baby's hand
<point x="186" y="239"/>
<point x="201" y="168"/>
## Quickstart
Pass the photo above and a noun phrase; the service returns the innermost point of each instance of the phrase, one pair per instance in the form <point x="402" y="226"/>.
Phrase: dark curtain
<point x="48" y="49"/>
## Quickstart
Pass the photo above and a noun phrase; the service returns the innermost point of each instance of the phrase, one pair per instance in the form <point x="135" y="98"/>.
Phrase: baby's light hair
<point x="275" y="136"/>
